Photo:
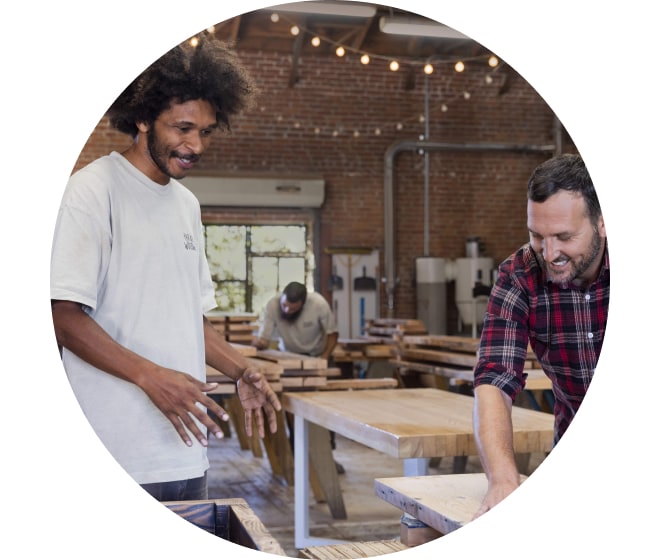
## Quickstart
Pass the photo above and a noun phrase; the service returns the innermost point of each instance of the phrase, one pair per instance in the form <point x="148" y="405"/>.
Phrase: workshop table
<point x="410" y="424"/>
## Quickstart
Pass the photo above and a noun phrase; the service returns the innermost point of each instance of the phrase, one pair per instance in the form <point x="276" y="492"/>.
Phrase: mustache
<point x="192" y="158"/>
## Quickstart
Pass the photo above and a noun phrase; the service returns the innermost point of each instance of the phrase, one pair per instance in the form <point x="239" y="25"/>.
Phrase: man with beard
<point x="130" y="282"/>
<point x="553" y="293"/>
<point x="304" y="322"/>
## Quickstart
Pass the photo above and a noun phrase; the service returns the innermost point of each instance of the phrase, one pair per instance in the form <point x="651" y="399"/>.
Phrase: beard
<point x="161" y="154"/>
<point x="290" y="317"/>
<point x="578" y="266"/>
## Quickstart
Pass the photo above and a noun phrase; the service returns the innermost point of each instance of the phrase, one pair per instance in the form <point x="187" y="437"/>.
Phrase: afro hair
<point x="206" y="69"/>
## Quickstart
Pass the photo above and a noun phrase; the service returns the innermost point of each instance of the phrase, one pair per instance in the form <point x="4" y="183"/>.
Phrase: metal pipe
<point x="390" y="277"/>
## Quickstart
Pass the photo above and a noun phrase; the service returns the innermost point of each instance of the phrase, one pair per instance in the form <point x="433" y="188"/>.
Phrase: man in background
<point x="130" y="283"/>
<point x="553" y="294"/>
<point x="305" y="324"/>
<point x="303" y="321"/>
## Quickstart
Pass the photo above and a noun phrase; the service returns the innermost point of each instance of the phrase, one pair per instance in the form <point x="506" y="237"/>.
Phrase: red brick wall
<point x="470" y="193"/>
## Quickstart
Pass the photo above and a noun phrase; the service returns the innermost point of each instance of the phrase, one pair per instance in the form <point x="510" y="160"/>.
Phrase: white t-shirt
<point x="132" y="252"/>
<point x="307" y="334"/>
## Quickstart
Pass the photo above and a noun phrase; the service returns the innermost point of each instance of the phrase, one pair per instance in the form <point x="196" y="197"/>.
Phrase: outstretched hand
<point x="177" y="396"/>
<point x="257" y="397"/>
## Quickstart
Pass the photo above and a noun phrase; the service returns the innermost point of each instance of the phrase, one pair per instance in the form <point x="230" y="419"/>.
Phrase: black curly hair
<point x="208" y="70"/>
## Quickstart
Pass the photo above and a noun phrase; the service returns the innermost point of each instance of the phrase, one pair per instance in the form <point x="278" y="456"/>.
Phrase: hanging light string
<point x="394" y="63"/>
<point x="428" y="66"/>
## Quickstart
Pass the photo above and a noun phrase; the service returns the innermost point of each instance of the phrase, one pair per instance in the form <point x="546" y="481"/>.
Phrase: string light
<point x="394" y="65"/>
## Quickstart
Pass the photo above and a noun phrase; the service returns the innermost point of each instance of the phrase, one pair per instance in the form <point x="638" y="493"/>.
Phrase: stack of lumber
<point x="452" y="357"/>
<point x="391" y="330"/>
<point x="298" y="370"/>
<point x="270" y="370"/>
<point x="362" y="349"/>
<point x="235" y="327"/>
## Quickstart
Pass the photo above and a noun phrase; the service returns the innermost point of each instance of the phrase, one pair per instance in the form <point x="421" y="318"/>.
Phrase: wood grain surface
<point x="413" y="423"/>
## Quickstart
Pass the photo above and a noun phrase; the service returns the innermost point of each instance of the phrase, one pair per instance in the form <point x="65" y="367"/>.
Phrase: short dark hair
<point x="564" y="172"/>
<point x="295" y="292"/>
<point x="206" y="69"/>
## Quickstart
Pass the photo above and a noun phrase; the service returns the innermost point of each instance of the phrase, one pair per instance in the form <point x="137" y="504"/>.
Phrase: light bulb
<point x="274" y="17"/>
<point x="459" y="66"/>
<point x="364" y="59"/>
<point x="394" y="66"/>
<point x="316" y="41"/>
<point x="295" y="30"/>
<point x="194" y="41"/>
<point x="340" y="51"/>
<point x="492" y="61"/>
<point x="428" y="69"/>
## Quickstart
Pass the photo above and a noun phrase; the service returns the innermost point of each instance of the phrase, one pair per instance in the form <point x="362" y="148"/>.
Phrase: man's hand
<point x="495" y="494"/>
<point x="257" y="397"/>
<point x="177" y="395"/>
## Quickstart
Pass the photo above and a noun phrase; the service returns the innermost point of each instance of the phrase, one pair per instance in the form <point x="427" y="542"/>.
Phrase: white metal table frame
<point x="411" y="467"/>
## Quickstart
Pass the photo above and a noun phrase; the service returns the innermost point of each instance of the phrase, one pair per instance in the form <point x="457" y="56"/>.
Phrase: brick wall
<point x="326" y="125"/>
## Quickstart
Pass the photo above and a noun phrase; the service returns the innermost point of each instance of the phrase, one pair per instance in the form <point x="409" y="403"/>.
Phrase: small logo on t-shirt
<point x="189" y="242"/>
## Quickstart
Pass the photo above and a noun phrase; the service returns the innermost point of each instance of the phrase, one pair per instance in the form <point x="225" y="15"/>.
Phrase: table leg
<point x="301" y="487"/>
<point x="416" y="467"/>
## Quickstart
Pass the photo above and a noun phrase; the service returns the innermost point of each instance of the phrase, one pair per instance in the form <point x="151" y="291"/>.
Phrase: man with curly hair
<point x="130" y="282"/>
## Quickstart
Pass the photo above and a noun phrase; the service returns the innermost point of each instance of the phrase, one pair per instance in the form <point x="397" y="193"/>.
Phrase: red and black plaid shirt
<point x="564" y="324"/>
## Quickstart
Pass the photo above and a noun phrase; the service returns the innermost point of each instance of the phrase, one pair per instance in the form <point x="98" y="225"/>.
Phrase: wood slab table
<point x="410" y="424"/>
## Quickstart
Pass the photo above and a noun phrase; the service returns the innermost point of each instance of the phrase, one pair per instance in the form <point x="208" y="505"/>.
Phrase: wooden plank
<point x="291" y="360"/>
<point x="464" y="374"/>
<point x="310" y="382"/>
<point x="229" y="519"/>
<point x="244" y="349"/>
<point x="444" y="502"/>
<point x="454" y="343"/>
<point x="438" y="356"/>
<point x="367" y="383"/>
<point x="364" y="549"/>
<point x="537" y="380"/>
<point x="326" y="372"/>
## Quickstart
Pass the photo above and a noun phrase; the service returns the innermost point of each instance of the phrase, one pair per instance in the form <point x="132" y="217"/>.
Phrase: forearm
<point x="80" y="334"/>
<point x="494" y="434"/>
<point x="330" y="343"/>
<point x="221" y="355"/>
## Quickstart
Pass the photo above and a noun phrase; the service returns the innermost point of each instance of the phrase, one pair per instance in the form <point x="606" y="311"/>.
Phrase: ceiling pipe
<point x="390" y="279"/>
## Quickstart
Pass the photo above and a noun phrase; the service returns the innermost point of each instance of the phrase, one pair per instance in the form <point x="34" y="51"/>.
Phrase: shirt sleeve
<point x="504" y="337"/>
<point x="81" y="250"/>
<point x="268" y="325"/>
<point x="327" y="319"/>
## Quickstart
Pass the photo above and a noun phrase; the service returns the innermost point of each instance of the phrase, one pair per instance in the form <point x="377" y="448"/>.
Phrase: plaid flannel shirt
<point x="564" y="324"/>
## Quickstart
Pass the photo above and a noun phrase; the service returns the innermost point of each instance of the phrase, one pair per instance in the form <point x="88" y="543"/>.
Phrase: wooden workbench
<point x="411" y="424"/>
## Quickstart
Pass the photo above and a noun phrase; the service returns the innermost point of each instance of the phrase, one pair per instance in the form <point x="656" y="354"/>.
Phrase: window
<point x="250" y="263"/>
